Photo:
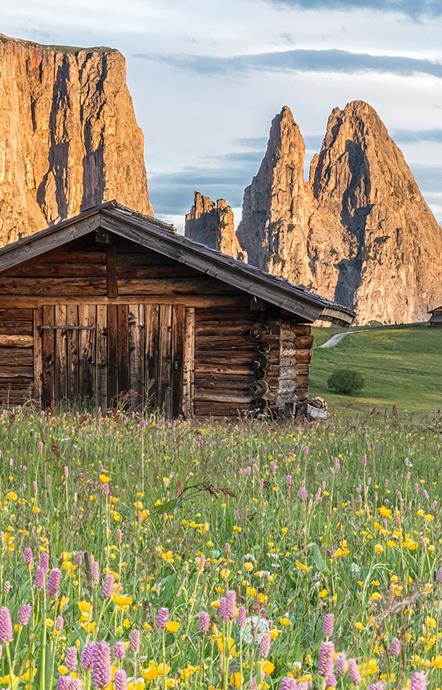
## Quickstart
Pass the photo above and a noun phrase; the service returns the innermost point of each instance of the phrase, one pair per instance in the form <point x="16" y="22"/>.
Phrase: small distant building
<point x="436" y="317"/>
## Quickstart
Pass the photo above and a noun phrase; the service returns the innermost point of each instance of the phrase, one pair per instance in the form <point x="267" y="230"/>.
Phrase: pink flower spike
<point x="28" y="556"/>
<point x="302" y="493"/>
<point x="101" y="665"/>
<point x="242" y="615"/>
<point x="341" y="664"/>
<point x="44" y="561"/>
<point x="162" y="617"/>
<point x="6" y="633"/>
<point x="40" y="578"/>
<point x="120" y="680"/>
<point x="326" y="655"/>
<point x="24" y="614"/>
<point x="71" y="659"/>
<point x="264" y="646"/>
<point x="119" y="650"/>
<point x="135" y="641"/>
<point x="353" y="672"/>
<point x="54" y="582"/>
<point x="395" y="647"/>
<point x="204" y="622"/>
<point x="418" y="681"/>
<point x="108" y="586"/>
<point x="328" y="625"/>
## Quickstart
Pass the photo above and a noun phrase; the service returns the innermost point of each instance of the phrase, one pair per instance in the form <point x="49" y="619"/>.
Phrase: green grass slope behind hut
<point x="402" y="366"/>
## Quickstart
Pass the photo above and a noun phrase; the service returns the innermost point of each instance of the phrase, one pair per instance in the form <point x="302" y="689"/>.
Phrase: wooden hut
<point x="436" y="317"/>
<point x="112" y="305"/>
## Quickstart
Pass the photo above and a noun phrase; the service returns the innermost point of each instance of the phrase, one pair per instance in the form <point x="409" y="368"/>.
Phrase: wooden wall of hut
<point x="102" y="318"/>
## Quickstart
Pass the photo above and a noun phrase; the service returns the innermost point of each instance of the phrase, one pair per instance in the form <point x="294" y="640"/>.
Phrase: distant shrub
<point x="345" y="381"/>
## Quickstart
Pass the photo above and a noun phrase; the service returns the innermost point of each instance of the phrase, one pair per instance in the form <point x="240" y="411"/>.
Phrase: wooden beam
<point x="112" y="279"/>
<point x="188" y="300"/>
<point x="16" y="341"/>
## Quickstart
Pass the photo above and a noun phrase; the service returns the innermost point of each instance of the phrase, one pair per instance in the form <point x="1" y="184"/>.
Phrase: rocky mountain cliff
<point x="213" y="224"/>
<point x="68" y="135"/>
<point x="358" y="231"/>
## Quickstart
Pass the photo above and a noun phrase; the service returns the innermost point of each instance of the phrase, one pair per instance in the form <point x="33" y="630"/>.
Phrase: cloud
<point x="417" y="136"/>
<point x="411" y="8"/>
<point x="299" y="61"/>
<point x="429" y="178"/>
<point x="172" y="193"/>
<point x="314" y="141"/>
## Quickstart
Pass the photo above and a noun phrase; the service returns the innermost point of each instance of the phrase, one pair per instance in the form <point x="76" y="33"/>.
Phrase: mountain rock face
<point x="273" y="228"/>
<point x="359" y="231"/>
<point x="68" y="135"/>
<point x="213" y="224"/>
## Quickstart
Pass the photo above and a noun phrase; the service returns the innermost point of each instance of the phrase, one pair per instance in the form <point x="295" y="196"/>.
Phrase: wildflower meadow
<point x="138" y="553"/>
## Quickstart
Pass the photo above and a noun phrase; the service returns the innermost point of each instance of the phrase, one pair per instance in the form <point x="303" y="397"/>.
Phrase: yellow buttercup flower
<point x="172" y="626"/>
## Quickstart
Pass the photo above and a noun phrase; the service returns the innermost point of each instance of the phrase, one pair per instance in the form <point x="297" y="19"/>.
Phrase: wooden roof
<point x="161" y="237"/>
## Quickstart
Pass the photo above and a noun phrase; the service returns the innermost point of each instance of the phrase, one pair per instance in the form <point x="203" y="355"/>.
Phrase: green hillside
<point x="402" y="366"/>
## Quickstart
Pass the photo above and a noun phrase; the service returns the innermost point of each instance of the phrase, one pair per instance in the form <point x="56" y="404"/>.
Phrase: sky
<point x="208" y="76"/>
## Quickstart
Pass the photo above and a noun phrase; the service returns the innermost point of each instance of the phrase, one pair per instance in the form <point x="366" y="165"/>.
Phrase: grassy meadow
<point x="137" y="553"/>
<point x="402" y="366"/>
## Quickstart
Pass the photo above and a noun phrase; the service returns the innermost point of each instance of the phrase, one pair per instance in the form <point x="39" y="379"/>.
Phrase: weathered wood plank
<point x="67" y="267"/>
<point x="136" y="353"/>
<point x="123" y="348"/>
<point x="55" y="287"/>
<point x="16" y="371"/>
<point x="164" y="391"/>
<point x="60" y="361"/>
<point x="72" y="364"/>
<point x="133" y="270"/>
<point x="86" y="351"/>
<point x="14" y="314"/>
<point x="228" y="398"/>
<point x="17" y="355"/>
<point x="152" y="348"/>
<point x="112" y="280"/>
<point x="15" y="327"/>
<point x="214" y="408"/>
<point x="172" y="286"/>
<point x="112" y="353"/>
<point x="224" y="369"/>
<point x="101" y="358"/>
<point x="189" y="363"/>
<point x="223" y="313"/>
<point x="16" y="341"/>
<point x="48" y="344"/>
<point x="222" y="344"/>
<point x="177" y="359"/>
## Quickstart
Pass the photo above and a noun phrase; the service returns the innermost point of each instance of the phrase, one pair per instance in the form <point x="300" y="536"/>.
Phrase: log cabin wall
<point x="16" y="355"/>
<point x="102" y="315"/>
<point x="228" y="365"/>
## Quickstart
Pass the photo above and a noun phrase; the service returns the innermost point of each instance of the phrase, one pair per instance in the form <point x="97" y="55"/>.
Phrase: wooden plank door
<point x="68" y="345"/>
<point x="156" y="347"/>
<point x="165" y="349"/>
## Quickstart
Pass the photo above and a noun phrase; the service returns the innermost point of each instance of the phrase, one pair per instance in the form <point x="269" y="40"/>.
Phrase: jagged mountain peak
<point x="213" y="224"/>
<point x="68" y="138"/>
<point x="358" y="232"/>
